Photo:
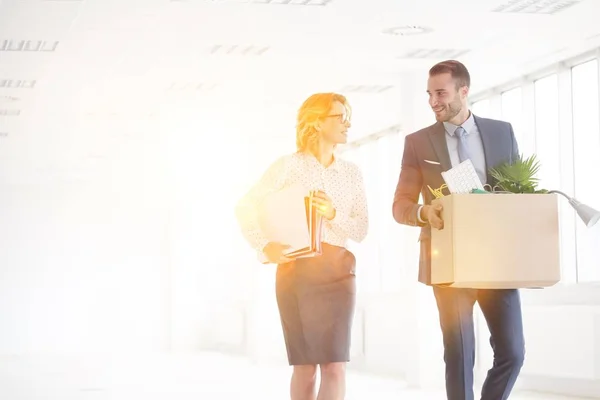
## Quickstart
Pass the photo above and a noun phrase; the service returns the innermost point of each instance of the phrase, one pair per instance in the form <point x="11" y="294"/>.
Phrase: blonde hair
<point x="314" y="108"/>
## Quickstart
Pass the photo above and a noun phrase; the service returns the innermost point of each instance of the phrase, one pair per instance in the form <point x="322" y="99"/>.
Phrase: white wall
<point x="84" y="263"/>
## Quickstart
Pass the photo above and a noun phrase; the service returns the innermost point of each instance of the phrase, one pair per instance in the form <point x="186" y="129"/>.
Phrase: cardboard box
<point x="497" y="241"/>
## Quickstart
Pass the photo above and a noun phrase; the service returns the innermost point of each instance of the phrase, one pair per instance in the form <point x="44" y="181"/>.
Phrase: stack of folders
<point x="289" y="217"/>
<point x="314" y="222"/>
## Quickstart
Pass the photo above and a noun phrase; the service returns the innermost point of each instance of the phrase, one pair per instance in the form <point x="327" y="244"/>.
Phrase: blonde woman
<point x="315" y="296"/>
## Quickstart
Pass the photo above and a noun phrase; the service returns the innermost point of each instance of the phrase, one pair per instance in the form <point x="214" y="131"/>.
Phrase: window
<point x="512" y="111"/>
<point x="388" y="257"/>
<point x="367" y="252"/>
<point x="547" y="140"/>
<point x="399" y="250"/>
<point x="550" y="104"/>
<point x="547" y="147"/>
<point x="482" y="108"/>
<point x="586" y="149"/>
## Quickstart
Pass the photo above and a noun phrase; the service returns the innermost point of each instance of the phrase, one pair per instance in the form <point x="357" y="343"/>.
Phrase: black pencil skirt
<point x="316" y="298"/>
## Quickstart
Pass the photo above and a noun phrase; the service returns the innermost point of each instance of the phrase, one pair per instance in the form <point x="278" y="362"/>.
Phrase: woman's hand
<point x="324" y="205"/>
<point x="274" y="252"/>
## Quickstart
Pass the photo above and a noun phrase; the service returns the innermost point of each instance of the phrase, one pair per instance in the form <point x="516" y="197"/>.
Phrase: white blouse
<point x="342" y="181"/>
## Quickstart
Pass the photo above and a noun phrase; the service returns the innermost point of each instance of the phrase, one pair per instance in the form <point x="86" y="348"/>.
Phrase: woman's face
<point x="334" y="126"/>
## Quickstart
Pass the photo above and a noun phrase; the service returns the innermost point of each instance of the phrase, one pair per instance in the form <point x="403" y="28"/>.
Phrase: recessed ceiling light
<point x="433" y="53"/>
<point x="238" y="50"/>
<point x="105" y="115"/>
<point x="534" y="6"/>
<point x="365" y="88"/>
<point x="407" y="30"/>
<point x="8" y="99"/>
<point x="192" y="86"/>
<point x="16" y="84"/>
<point x="10" y="113"/>
<point x="28" y="45"/>
<point x="28" y="84"/>
<point x="272" y="2"/>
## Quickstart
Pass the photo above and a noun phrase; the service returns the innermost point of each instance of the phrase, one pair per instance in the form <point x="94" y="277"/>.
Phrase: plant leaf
<point x="518" y="177"/>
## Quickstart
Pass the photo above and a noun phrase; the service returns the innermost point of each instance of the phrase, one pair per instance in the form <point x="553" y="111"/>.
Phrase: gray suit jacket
<point x="499" y="145"/>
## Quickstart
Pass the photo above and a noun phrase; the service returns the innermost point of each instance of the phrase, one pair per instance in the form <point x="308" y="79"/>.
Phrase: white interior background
<point x="119" y="176"/>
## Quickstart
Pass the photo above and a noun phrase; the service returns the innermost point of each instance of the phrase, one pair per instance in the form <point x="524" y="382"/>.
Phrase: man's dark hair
<point x="456" y="69"/>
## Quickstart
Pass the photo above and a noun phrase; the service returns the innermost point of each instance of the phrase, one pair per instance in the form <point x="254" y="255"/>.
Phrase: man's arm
<point x="405" y="208"/>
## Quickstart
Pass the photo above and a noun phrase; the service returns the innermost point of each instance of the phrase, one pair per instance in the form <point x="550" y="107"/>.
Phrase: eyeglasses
<point x="343" y="118"/>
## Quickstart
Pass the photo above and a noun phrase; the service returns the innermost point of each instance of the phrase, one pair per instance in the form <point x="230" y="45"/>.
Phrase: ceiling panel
<point x="36" y="19"/>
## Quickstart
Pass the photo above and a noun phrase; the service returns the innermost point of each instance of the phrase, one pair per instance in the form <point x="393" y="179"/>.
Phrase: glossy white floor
<point x="177" y="377"/>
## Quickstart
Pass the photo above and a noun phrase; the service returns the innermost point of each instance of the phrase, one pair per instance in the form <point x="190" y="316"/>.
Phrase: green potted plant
<point x="518" y="177"/>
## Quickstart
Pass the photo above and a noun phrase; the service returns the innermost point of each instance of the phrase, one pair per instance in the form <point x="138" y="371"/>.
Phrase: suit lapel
<point x="437" y="135"/>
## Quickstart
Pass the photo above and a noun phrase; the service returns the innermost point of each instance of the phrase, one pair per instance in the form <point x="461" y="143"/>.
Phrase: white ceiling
<point x="139" y="59"/>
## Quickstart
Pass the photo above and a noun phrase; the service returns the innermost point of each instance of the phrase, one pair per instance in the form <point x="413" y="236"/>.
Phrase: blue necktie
<point x="463" y="148"/>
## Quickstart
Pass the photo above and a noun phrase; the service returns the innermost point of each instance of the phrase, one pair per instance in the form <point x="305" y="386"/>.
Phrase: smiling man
<point x="456" y="136"/>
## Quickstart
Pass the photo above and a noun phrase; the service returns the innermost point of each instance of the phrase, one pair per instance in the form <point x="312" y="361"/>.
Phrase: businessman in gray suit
<point x="456" y="136"/>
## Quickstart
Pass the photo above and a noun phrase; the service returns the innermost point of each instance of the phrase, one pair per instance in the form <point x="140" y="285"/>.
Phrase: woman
<point x="316" y="295"/>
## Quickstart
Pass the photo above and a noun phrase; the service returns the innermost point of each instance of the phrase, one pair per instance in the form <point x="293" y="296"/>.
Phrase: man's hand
<point x="274" y="253"/>
<point x="433" y="214"/>
<point x="324" y="205"/>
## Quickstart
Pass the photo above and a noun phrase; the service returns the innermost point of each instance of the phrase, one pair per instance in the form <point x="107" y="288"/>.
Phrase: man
<point x="456" y="136"/>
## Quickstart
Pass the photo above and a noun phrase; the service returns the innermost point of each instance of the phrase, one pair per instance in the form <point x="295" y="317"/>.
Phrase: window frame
<point x="570" y="290"/>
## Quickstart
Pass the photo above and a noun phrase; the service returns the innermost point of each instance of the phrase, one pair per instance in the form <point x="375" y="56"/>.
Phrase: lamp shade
<point x="588" y="215"/>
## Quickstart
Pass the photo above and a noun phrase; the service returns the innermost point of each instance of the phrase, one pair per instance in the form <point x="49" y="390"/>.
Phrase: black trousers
<point x="502" y="312"/>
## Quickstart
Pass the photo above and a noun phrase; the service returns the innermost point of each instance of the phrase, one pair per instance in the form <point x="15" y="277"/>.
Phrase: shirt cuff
<point x="419" y="215"/>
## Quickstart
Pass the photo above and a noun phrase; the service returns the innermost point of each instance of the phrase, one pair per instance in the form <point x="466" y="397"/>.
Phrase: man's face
<point x="445" y="99"/>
